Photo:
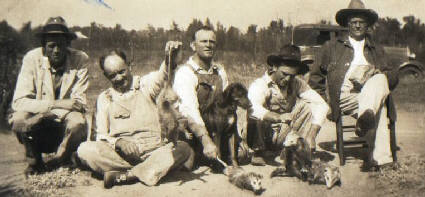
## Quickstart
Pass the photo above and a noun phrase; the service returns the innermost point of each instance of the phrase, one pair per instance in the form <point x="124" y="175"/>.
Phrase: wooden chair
<point x="343" y="143"/>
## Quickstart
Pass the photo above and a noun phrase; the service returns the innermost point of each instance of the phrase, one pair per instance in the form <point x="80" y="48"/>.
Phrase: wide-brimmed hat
<point x="356" y="7"/>
<point x="56" y="26"/>
<point x="290" y="55"/>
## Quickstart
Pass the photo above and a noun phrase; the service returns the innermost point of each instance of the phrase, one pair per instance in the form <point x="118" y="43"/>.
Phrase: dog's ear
<point x="227" y="94"/>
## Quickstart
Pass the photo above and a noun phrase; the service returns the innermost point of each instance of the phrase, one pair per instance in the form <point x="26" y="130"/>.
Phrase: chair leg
<point x="340" y="142"/>
<point x="393" y="141"/>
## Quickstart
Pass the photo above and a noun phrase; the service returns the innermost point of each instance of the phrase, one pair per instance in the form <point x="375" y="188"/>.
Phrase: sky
<point x="137" y="14"/>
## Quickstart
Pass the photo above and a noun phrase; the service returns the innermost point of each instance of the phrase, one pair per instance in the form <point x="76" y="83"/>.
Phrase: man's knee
<point x="18" y="120"/>
<point x="86" y="150"/>
<point x="75" y="121"/>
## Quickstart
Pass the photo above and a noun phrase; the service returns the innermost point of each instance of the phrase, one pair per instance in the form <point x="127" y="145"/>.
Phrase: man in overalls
<point x="197" y="82"/>
<point x="128" y="144"/>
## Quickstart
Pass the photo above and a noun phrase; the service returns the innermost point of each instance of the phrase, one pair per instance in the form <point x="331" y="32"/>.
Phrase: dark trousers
<point x="49" y="136"/>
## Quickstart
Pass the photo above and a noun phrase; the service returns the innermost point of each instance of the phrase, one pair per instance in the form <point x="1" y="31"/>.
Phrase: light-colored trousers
<point x="372" y="96"/>
<point x="301" y="124"/>
<point x="101" y="157"/>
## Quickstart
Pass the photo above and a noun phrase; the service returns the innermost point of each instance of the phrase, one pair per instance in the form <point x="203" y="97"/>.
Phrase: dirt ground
<point x="410" y="135"/>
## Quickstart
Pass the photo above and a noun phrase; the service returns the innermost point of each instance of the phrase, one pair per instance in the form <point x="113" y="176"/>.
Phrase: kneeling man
<point x="128" y="144"/>
<point x="283" y="102"/>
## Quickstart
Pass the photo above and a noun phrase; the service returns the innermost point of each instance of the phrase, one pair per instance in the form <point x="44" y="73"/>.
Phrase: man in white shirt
<point x="359" y="81"/>
<point x="196" y="83"/>
<point x="285" y="102"/>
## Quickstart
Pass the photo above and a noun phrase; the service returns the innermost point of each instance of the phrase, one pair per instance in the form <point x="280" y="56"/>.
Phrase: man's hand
<point x="69" y="104"/>
<point x="173" y="48"/>
<point x="127" y="148"/>
<point x="361" y="74"/>
<point x="210" y="150"/>
<point x="286" y="118"/>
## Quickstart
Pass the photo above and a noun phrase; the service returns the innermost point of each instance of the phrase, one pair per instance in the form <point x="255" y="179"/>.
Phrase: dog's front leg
<point x="217" y="142"/>
<point x="232" y="149"/>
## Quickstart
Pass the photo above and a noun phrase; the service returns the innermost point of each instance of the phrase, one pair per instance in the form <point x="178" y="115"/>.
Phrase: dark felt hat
<point x="56" y="26"/>
<point x="290" y="55"/>
<point x="356" y="7"/>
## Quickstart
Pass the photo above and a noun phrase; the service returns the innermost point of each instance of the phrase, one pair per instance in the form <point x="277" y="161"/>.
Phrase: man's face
<point x="357" y="27"/>
<point x="283" y="74"/>
<point x="204" y="44"/>
<point x="118" y="73"/>
<point x="55" y="48"/>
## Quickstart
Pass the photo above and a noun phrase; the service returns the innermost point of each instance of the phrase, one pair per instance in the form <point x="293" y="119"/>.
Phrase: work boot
<point x="257" y="159"/>
<point x="365" y="122"/>
<point x="112" y="178"/>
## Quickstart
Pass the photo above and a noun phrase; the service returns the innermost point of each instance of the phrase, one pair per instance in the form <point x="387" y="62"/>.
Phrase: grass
<point x="50" y="183"/>
<point x="407" y="179"/>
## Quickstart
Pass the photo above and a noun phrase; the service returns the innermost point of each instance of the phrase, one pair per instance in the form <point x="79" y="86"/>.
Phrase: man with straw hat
<point x="359" y="81"/>
<point x="50" y="98"/>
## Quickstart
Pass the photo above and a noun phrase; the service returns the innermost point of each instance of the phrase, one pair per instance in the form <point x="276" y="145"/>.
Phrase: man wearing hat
<point x="284" y="102"/>
<point x="50" y="98"/>
<point x="359" y="80"/>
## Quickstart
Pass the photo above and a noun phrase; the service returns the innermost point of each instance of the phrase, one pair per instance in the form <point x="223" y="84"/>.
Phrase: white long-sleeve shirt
<point x="186" y="83"/>
<point x="264" y="89"/>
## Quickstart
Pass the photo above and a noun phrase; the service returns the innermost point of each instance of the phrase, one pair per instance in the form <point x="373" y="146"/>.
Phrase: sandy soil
<point x="410" y="134"/>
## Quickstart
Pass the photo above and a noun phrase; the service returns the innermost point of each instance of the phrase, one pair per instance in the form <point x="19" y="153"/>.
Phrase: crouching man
<point x="50" y="97"/>
<point x="128" y="144"/>
<point x="283" y="102"/>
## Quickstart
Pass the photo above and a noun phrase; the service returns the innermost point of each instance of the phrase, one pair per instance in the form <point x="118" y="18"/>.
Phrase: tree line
<point x="388" y="31"/>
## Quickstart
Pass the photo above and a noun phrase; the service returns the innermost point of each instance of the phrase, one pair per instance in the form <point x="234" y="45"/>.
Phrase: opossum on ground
<point x="321" y="172"/>
<point x="242" y="179"/>
<point x="297" y="162"/>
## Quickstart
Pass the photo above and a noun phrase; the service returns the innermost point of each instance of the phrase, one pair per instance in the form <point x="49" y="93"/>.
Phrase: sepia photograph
<point x="212" y="98"/>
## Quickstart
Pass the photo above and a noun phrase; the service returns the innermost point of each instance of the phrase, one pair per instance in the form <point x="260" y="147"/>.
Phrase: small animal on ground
<point x="297" y="162"/>
<point x="296" y="158"/>
<point x="242" y="179"/>
<point x="220" y="117"/>
<point x="324" y="173"/>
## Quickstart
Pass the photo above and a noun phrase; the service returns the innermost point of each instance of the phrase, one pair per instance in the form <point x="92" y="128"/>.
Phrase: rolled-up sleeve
<point x="257" y="94"/>
<point x="153" y="82"/>
<point x="185" y="83"/>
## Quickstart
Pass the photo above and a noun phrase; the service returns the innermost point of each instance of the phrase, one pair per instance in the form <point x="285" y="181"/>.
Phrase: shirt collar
<point x="134" y="86"/>
<point x="368" y="41"/>
<point x="196" y="67"/>
<point x="268" y="79"/>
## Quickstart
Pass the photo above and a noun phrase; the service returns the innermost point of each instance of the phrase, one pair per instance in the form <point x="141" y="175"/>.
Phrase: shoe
<point x="75" y="161"/>
<point x="258" y="160"/>
<point x="369" y="167"/>
<point x="34" y="169"/>
<point x="365" y="122"/>
<point x="112" y="178"/>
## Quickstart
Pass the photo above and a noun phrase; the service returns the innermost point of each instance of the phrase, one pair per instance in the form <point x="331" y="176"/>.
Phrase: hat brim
<point x="275" y="60"/>
<point x="69" y="35"/>
<point x="343" y="14"/>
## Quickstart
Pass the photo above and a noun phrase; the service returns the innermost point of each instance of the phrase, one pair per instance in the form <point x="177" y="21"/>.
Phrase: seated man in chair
<point x="359" y="81"/>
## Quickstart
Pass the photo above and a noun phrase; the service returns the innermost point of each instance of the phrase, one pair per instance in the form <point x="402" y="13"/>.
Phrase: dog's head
<point x="237" y="95"/>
